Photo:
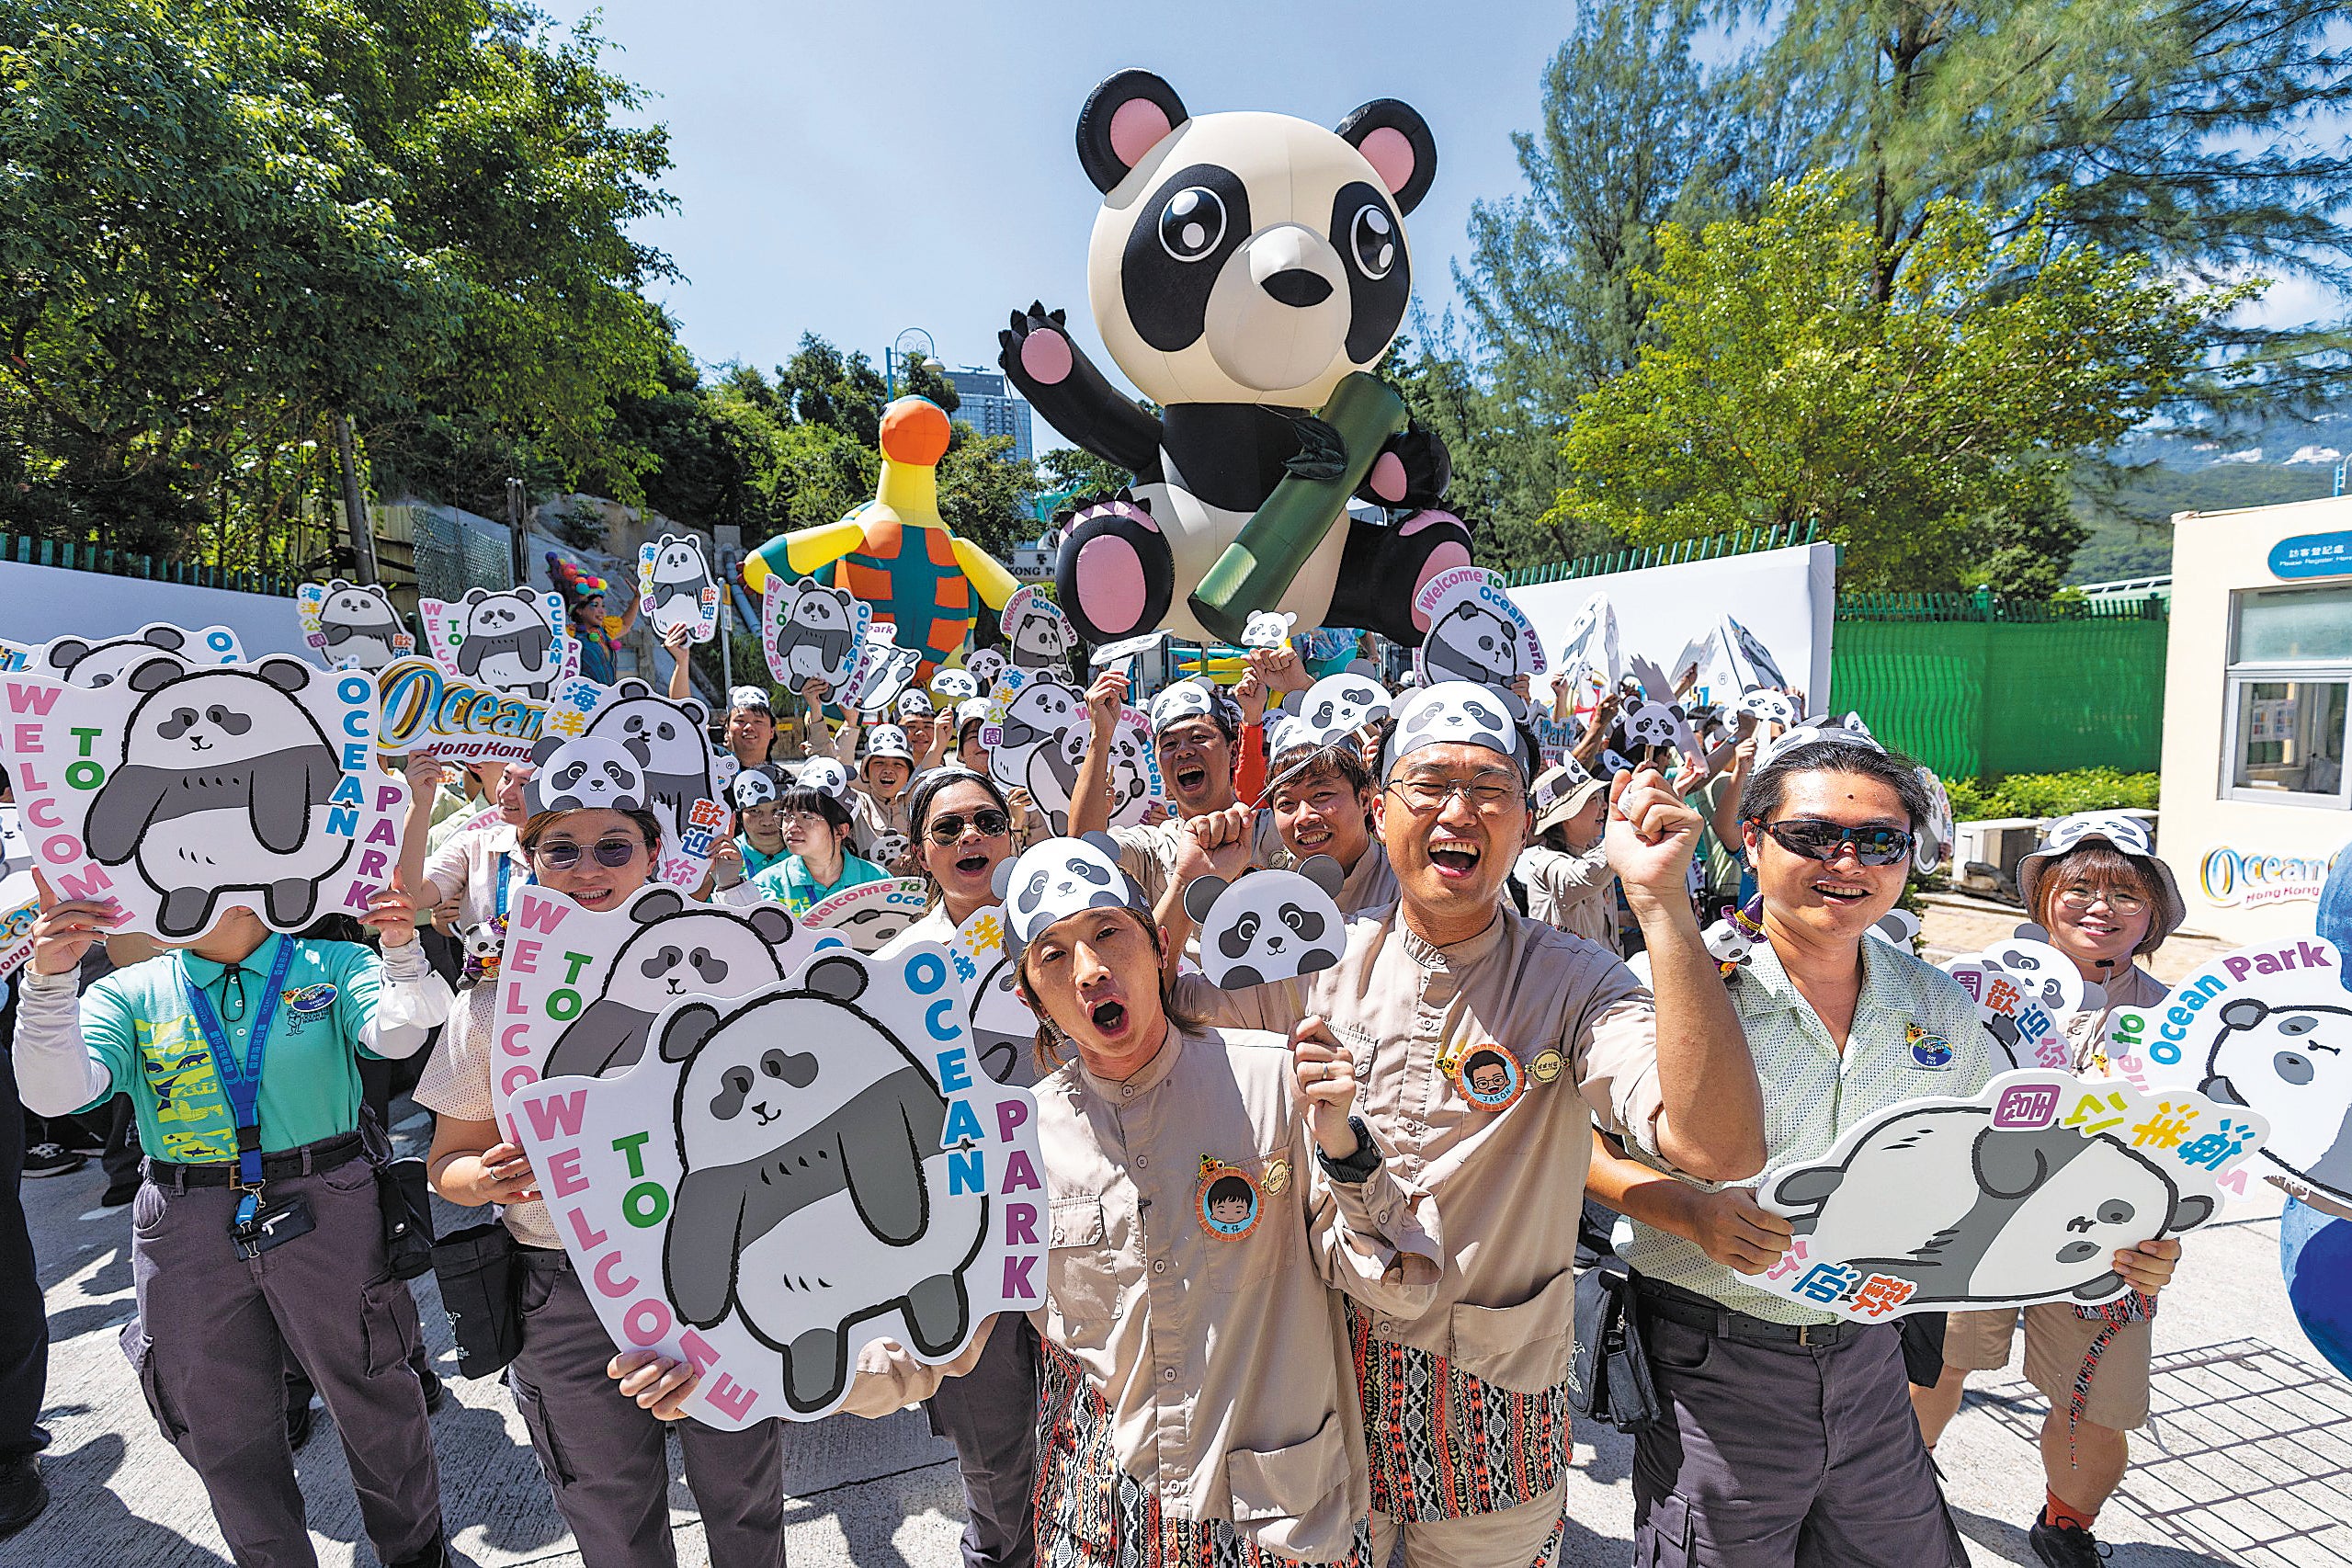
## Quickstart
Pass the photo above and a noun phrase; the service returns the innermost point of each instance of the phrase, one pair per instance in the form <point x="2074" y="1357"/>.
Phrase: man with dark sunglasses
<point x="1788" y="1436"/>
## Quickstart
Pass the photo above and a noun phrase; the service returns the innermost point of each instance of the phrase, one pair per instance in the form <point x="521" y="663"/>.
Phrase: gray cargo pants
<point x="209" y="1344"/>
<point x="603" y="1454"/>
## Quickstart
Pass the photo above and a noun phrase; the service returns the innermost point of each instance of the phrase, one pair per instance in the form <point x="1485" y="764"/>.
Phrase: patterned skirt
<point x="1092" y="1514"/>
<point x="1445" y="1445"/>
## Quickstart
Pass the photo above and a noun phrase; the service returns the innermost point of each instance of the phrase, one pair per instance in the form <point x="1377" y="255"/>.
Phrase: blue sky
<point x="854" y="169"/>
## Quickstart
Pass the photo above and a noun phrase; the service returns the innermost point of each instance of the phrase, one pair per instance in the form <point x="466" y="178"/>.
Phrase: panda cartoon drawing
<point x="1770" y="707"/>
<point x="954" y="686"/>
<point x="873" y="923"/>
<point x="2047" y="976"/>
<point x="1728" y="942"/>
<point x="1242" y="264"/>
<point x="361" y="626"/>
<point x="1077" y="873"/>
<point x="1452" y="710"/>
<point x="1040" y="711"/>
<point x="1651" y="724"/>
<point x="1267" y="628"/>
<point x="1471" y="643"/>
<point x="883" y="675"/>
<point x="818" y="638"/>
<point x="593" y="772"/>
<point x="1038" y="633"/>
<point x="985" y="664"/>
<point x="753" y="787"/>
<point x="94" y="665"/>
<point x="1129" y="767"/>
<point x="1003" y="1028"/>
<point x="507" y="644"/>
<point x="825" y="775"/>
<point x="223" y="785"/>
<point x="809" y="1137"/>
<point x="1267" y="925"/>
<point x="1340" y="704"/>
<point x="675" y="581"/>
<point x="679" y="949"/>
<point x="2292" y="1063"/>
<point x="666" y="738"/>
<point x="1993" y="1214"/>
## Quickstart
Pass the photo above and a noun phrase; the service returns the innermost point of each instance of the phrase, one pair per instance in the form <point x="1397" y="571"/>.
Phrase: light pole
<point x="896" y="352"/>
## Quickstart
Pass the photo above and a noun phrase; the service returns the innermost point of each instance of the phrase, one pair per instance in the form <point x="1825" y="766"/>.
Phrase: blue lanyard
<point x="506" y="869"/>
<point x="242" y="1080"/>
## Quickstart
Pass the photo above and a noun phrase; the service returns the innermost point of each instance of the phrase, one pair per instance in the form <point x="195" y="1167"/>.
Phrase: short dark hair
<point x="937" y="782"/>
<point x="1760" y="797"/>
<point x="816" y="803"/>
<point x="1343" y="757"/>
<point x="2098" y="863"/>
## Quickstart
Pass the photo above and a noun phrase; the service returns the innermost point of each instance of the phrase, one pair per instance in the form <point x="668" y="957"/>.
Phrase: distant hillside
<point x="2132" y="523"/>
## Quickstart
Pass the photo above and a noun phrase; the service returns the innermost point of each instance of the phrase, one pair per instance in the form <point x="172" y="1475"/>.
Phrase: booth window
<point x="2290" y="696"/>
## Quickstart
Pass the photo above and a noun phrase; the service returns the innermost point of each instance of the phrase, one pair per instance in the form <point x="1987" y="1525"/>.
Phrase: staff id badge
<point x="1489" y="1077"/>
<point x="1225" y="1200"/>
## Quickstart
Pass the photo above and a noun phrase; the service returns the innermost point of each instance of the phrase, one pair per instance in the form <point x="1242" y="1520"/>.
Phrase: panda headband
<point x="826" y="777"/>
<point x="1059" y="878"/>
<point x="589" y="773"/>
<point x="1821" y="730"/>
<point x="1196" y="699"/>
<point x="753" y="696"/>
<point x="1454" y="713"/>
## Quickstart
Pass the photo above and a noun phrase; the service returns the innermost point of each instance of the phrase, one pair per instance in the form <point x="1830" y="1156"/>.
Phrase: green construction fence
<point x="1979" y="687"/>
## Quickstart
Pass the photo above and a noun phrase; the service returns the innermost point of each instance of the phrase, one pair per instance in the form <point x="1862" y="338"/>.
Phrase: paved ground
<point x="2258" y="1428"/>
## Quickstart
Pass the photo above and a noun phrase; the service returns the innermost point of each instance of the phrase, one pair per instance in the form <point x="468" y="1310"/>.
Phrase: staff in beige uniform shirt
<point x="1320" y="794"/>
<point x="1487" y="1046"/>
<point x="1566" y="869"/>
<point x="1200" y="1402"/>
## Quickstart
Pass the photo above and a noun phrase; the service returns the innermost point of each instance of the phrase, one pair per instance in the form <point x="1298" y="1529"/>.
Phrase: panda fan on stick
<point x="1245" y="270"/>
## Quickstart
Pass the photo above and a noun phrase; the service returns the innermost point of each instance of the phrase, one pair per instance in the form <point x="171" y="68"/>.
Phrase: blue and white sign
<point x="2313" y="555"/>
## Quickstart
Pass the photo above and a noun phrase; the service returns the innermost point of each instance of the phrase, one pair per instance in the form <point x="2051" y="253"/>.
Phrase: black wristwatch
<point x="1357" y="1166"/>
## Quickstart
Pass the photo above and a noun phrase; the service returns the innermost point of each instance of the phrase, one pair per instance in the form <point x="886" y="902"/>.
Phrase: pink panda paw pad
<point x="1116" y="575"/>
<point x="1039" y="344"/>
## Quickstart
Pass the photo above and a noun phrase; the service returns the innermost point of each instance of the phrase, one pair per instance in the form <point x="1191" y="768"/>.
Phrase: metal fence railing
<point x="76" y="556"/>
<point x="1743" y="542"/>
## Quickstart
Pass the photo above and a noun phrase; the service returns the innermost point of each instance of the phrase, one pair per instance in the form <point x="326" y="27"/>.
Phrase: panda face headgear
<point x="826" y="777"/>
<point x="888" y="740"/>
<point x="590" y="773"/>
<point x="1820" y="730"/>
<point x="2128" y="836"/>
<point x="1196" y="699"/>
<point x="754" y="697"/>
<point x="1059" y="878"/>
<point x="1454" y="713"/>
<point x="753" y="787"/>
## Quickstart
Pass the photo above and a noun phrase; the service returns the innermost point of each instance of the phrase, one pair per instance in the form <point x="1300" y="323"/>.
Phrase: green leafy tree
<point x="1784" y="387"/>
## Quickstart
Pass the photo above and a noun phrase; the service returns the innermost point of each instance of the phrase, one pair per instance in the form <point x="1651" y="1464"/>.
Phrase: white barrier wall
<point x="1787" y="597"/>
<point x="37" y="602"/>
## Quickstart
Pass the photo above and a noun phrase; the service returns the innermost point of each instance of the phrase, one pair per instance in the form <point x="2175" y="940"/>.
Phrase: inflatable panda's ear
<point x="1125" y="117"/>
<point x="658" y="904"/>
<point x="1200" y="896"/>
<point x="1396" y="142"/>
<point x="170" y="638"/>
<point x="1323" y="871"/>
<point x="772" y="924"/>
<point x="287" y="675"/>
<point x="689" y="1030"/>
<point x="839" y="977"/>
<point x="154" y="675"/>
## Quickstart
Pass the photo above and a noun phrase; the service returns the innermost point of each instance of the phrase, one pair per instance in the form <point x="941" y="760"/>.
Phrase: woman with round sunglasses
<point x="601" y="1454"/>
<point x="1211" y="1198"/>
<point x="2095" y="886"/>
<point x="1789" y="1434"/>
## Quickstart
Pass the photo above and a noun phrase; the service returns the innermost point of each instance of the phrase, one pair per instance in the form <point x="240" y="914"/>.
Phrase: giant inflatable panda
<point x="1242" y="265"/>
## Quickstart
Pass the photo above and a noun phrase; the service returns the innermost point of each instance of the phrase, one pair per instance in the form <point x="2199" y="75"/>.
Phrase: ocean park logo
<point x="2234" y="879"/>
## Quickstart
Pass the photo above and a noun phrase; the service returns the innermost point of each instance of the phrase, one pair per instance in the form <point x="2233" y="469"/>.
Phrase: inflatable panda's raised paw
<point x="1413" y="470"/>
<point x="1384" y="569"/>
<point x="1116" y="577"/>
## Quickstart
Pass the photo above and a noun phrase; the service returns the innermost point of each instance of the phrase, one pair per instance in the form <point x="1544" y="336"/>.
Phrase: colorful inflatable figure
<point x="1244" y="269"/>
<point x="895" y="552"/>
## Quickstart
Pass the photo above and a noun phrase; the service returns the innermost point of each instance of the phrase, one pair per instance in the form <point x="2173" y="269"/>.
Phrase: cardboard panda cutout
<point x="1268" y="925"/>
<point x="511" y="641"/>
<point x="1245" y="268"/>
<point x="675" y="586"/>
<point x="1037" y="631"/>
<point x="78" y="661"/>
<point x="812" y="633"/>
<point x="348" y="624"/>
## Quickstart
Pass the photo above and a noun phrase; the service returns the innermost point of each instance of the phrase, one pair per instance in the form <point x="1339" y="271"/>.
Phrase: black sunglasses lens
<point x="1823" y="840"/>
<point x="615" y="853"/>
<point x="560" y="857"/>
<point x="949" y="828"/>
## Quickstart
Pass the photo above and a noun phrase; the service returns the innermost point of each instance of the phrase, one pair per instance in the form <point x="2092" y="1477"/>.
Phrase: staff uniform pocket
<point x="1080" y="1272"/>
<point x="1525" y="1348"/>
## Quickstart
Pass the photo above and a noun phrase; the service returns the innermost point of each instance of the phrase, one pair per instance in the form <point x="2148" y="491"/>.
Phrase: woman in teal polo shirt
<point x="256" y="1230"/>
<point x="817" y="830"/>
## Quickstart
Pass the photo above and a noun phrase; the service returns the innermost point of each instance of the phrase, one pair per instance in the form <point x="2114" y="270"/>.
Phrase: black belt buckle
<point x="258" y="1227"/>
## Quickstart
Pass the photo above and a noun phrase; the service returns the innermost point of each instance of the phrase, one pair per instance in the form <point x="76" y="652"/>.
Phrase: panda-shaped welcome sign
<point x="180" y="792"/>
<point x="783" y="1176"/>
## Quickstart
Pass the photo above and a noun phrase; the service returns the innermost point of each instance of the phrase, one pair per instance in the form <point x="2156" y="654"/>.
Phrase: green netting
<point x="1980" y="699"/>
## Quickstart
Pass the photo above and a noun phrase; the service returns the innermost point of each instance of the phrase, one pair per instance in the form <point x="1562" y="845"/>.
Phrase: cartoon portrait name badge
<point x="675" y="586"/>
<point x="783" y="1178"/>
<point x="1476" y="632"/>
<point x="579" y="989"/>
<point x="517" y="641"/>
<point x="180" y="792"/>
<point x="348" y="625"/>
<point x="2022" y="1193"/>
<point x="684" y="779"/>
<point x="865" y="919"/>
<point x="424" y="708"/>
<point x="2269" y="1029"/>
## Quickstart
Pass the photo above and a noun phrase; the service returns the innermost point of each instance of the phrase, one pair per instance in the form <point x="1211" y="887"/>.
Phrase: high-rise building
<point x="988" y="405"/>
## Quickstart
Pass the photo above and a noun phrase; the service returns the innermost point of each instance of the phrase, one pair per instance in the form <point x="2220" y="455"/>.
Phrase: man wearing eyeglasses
<point x="1788" y="1436"/>
<point x="1464" y="1404"/>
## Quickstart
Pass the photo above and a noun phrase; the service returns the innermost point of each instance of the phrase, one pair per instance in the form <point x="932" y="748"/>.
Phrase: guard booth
<point x="2257" y="714"/>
